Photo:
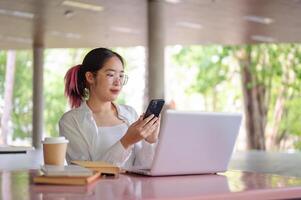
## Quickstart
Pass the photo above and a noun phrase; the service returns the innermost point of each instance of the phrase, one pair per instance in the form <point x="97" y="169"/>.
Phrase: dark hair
<point x="75" y="80"/>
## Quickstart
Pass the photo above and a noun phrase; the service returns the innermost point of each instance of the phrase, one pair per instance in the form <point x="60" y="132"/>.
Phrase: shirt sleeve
<point x="81" y="132"/>
<point x="116" y="155"/>
<point x="78" y="148"/>
<point x="144" y="154"/>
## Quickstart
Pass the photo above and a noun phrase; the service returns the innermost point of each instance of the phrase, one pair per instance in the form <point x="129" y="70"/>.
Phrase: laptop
<point x="194" y="143"/>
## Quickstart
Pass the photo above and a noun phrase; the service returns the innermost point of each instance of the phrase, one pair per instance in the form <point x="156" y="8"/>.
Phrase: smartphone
<point x="154" y="107"/>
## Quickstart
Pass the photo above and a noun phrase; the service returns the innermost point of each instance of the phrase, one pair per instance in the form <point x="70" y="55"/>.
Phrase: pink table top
<point x="229" y="185"/>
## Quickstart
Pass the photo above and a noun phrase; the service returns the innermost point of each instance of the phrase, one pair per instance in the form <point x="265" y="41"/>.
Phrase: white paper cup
<point x="54" y="150"/>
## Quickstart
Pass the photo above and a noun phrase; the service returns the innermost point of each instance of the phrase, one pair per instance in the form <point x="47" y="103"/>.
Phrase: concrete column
<point x="156" y="46"/>
<point x="8" y="94"/>
<point x="38" y="100"/>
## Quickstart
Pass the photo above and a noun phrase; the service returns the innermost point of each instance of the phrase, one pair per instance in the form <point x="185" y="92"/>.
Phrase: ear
<point x="90" y="77"/>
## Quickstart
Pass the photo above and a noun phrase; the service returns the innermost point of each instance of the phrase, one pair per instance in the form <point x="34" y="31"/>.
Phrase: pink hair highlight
<point x="71" y="87"/>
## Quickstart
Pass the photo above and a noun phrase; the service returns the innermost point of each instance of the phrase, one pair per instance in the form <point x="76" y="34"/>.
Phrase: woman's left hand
<point x="153" y="137"/>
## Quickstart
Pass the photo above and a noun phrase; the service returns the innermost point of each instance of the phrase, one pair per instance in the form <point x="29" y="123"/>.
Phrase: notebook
<point x="66" y="180"/>
<point x="69" y="170"/>
<point x="99" y="166"/>
<point x="65" y="175"/>
<point x="194" y="143"/>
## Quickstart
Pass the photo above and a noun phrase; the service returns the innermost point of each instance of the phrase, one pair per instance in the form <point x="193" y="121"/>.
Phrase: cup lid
<point x="54" y="140"/>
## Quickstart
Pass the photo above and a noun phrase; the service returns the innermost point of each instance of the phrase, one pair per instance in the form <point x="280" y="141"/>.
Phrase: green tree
<point x="2" y="78"/>
<point x="270" y="74"/>
<point x="55" y="101"/>
<point x="22" y="100"/>
<point x="285" y="105"/>
<point x="2" y="73"/>
<point x="212" y="71"/>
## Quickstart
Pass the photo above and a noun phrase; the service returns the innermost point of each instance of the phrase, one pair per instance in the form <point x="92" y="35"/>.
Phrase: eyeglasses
<point x="113" y="76"/>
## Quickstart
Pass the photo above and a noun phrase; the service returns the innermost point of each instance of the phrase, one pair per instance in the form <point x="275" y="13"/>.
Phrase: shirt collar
<point x="85" y="109"/>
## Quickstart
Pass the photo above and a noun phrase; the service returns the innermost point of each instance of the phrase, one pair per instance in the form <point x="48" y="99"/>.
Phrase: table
<point x="33" y="159"/>
<point x="229" y="185"/>
<point x="259" y="183"/>
<point x="281" y="163"/>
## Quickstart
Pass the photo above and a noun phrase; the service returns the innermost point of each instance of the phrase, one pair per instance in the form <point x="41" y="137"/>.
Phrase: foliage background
<point x="206" y="78"/>
<point x="213" y="72"/>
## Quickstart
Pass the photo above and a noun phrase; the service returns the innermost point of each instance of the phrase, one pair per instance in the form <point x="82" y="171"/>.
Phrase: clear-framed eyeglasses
<point x="112" y="77"/>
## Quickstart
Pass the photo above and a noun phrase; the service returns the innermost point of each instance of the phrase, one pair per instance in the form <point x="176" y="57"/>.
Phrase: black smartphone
<point x="154" y="107"/>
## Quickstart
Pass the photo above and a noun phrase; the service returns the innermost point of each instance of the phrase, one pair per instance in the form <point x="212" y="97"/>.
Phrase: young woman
<point x="96" y="127"/>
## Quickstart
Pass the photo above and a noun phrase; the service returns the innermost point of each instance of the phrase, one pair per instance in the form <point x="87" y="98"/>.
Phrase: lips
<point x="115" y="91"/>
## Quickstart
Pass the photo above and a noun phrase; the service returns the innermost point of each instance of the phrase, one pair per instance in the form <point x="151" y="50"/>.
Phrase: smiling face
<point x="106" y="84"/>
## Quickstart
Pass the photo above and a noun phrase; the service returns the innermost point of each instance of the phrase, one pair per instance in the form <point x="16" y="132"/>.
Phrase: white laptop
<point x="194" y="143"/>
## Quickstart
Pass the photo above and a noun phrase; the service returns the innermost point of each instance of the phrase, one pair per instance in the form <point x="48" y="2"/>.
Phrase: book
<point x="99" y="166"/>
<point x="70" y="170"/>
<point x="5" y="149"/>
<point x="63" y="189"/>
<point x="66" y="180"/>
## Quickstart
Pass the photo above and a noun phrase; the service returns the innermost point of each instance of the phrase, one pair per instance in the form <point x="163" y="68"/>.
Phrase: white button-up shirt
<point x="89" y="142"/>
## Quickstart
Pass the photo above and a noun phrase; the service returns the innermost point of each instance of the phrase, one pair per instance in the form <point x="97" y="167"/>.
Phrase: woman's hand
<point x="153" y="137"/>
<point x="139" y="130"/>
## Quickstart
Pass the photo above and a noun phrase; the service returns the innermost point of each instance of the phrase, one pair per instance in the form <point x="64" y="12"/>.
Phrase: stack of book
<point x="66" y="175"/>
<point x="99" y="166"/>
<point x="79" y="173"/>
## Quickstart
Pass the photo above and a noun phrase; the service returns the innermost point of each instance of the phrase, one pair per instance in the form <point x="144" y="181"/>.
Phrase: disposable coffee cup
<point x="54" y="150"/>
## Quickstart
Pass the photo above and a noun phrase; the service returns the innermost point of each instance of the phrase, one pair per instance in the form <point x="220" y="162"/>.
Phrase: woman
<point x="96" y="127"/>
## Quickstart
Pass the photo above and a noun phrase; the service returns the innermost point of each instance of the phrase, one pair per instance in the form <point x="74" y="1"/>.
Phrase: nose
<point x="117" y="81"/>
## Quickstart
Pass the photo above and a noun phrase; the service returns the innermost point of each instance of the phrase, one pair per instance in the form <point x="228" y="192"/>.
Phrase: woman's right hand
<point x="139" y="130"/>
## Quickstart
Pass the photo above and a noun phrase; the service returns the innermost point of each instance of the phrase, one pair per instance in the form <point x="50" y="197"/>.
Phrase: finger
<point x="150" y="130"/>
<point x="156" y="127"/>
<point x="148" y="119"/>
<point x="146" y="129"/>
<point x="150" y="123"/>
<point x="140" y="124"/>
<point x="157" y="123"/>
<point x="159" y="120"/>
<point x="140" y="118"/>
<point x="137" y="122"/>
<point x="146" y="134"/>
<point x="142" y="115"/>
